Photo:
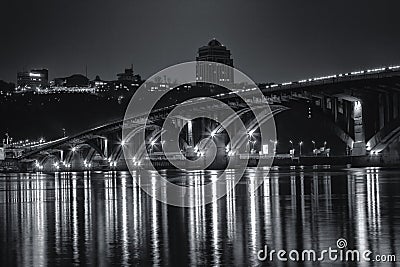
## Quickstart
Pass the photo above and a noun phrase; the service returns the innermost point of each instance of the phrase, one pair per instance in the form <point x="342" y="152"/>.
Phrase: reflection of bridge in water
<point x="291" y="208"/>
<point x="361" y="108"/>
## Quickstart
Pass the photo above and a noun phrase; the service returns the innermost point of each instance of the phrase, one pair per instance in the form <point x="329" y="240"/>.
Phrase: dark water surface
<point x="104" y="218"/>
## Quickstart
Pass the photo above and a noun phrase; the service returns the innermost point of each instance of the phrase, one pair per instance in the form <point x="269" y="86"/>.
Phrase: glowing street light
<point x="275" y="143"/>
<point x="291" y="142"/>
<point x="315" y="149"/>
<point x="74" y="149"/>
<point x="152" y="144"/>
<point x="37" y="165"/>
<point x="253" y="143"/>
<point x="113" y="164"/>
<point x="56" y="165"/>
<point x="250" y="133"/>
<point x="213" y="134"/>
<point x="300" y="144"/>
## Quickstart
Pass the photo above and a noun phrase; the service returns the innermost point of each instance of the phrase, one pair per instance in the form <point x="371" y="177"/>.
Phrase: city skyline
<point x="265" y="41"/>
<point x="117" y="75"/>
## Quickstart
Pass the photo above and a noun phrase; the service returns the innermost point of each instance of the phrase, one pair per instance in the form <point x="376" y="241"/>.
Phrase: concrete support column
<point x="221" y="159"/>
<point x="359" y="147"/>
<point x="190" y="133"/>
<point x="395" y="103"/>
<point x="106" y="147"/>
<point x="381" y="106"/>
<point x="335" y="108"/>
<point x="388" y="107"/>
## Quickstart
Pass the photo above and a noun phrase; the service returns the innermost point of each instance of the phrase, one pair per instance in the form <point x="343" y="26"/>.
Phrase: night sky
<point x="270" y="40"/>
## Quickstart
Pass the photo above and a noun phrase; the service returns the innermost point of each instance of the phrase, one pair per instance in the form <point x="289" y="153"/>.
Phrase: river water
<point x="104" y="218"/>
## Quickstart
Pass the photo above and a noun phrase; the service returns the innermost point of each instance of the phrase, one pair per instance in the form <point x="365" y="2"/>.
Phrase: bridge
<point x="360" y="107"/>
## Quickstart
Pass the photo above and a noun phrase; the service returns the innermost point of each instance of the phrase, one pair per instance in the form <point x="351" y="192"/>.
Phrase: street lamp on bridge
<point x="291" y="152"/>
<point x="300" y="144"/>
<point x="152" y="144"/>
<point x="315" y="149"/>
<point x="253" y="143"/>
<point x="275" y="143"/>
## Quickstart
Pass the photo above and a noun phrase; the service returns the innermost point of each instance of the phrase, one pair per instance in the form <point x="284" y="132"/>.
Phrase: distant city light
<point x="31" y="74"/>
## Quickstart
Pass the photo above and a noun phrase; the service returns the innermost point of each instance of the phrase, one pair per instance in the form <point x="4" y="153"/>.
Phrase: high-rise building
<point x="219" y="72"/>
<point x="33" y="80"/>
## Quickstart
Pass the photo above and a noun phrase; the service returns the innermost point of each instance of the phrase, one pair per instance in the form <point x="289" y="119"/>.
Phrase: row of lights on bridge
<point x="354" y="73"/>
<point x="26" y="143"/>
<point x="153" y="143"/>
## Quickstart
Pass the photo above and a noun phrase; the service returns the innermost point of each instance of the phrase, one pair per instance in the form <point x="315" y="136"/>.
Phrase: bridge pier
<point x="190" y="133"/>
<point x="106" y="147"/>
<point x="359" y="147"/>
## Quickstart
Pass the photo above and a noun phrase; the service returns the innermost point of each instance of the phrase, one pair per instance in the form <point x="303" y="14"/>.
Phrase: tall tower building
<point x="219" y="72"/>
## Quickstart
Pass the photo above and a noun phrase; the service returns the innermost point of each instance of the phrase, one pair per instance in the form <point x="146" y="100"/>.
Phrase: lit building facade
<point x="126" y="82"/>
<point x="75" y="80"/>
<point x="129" y="76"/>
<point x="219" y="72"/>
<point x="33" y="80"/>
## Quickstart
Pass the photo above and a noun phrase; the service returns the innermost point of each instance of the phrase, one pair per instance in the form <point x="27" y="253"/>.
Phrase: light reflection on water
<point x="105" y="218"/>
